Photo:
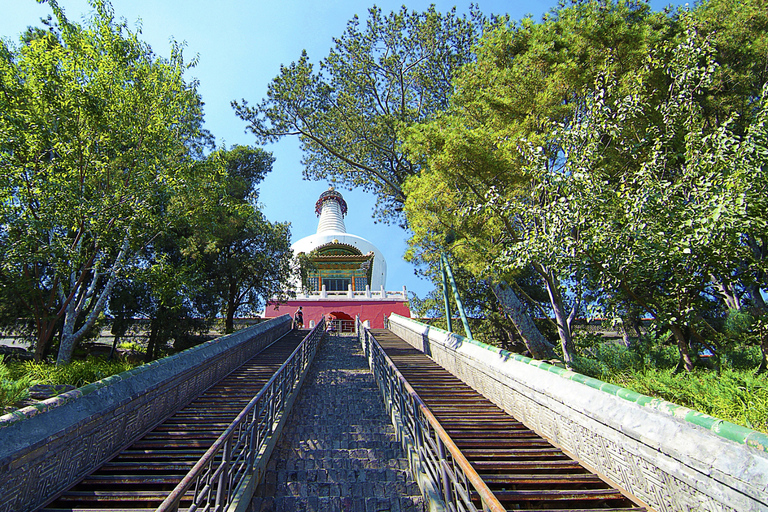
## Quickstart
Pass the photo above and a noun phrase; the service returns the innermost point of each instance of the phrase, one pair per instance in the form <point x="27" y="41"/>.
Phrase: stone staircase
<point x="338" y="451"/>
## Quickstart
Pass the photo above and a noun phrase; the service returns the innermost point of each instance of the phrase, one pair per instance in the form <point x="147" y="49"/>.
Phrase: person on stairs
<point x="298" y="319"/>
<point x="329" y="323"/>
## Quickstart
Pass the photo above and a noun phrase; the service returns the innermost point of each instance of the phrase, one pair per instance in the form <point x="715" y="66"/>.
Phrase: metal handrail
<point x="235" y="454"/>
<point x="446" y="467"/>
<point x="341" y="326"/>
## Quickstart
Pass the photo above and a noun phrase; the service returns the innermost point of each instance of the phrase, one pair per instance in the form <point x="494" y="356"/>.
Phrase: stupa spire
<point x="331" y="208"/>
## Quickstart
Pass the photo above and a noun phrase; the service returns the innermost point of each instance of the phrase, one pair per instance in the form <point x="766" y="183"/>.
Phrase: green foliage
<point x="382" y="75"/>
<point x="307" y="267"/>
<point x="77" y="373"/>
<point x="742" y="357"/>
<point x="12" y="390"/>
<point x="619" y="153"/>
<point x="130" y="345"/>
<point x="738" y="323"/>
<point x="239" y="258"/>
<point x="246" y="167"/>
<point x="600" y="358"/>
<point x="662" y="357"/>
<point x="494" y="161"/>
<point x="98" y="142"/>
<point x="735" y="394"/>
<point x="738" y="397"/>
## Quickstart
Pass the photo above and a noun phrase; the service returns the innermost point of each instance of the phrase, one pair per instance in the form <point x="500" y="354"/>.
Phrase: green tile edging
<point x="64" y="398"/>
<point x="722" y="428"/>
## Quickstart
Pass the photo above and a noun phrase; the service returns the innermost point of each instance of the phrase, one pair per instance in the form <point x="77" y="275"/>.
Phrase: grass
<point x="737" y="396"/>
<point x="16" y="377"/>
<point x="12" y="390"/>
<point x="77" y="373"/>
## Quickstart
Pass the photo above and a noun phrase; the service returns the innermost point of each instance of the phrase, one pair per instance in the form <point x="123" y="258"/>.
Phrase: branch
<point x="100" y="303"/>
<point x="322" y="144"/>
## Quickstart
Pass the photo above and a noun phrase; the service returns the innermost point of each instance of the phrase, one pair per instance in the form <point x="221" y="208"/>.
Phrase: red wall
<point x="372" y="310"/>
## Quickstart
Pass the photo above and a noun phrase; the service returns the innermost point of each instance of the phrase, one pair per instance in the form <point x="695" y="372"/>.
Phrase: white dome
<point x="312" y="242"/>
<point x="331" y="229"/>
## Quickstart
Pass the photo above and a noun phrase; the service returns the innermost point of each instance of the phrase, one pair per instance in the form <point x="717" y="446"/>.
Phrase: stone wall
<point x="46" y="448"/>
<point x="668" y="457"/>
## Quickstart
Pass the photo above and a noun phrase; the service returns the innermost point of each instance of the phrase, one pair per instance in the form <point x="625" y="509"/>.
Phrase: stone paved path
<point x="338" y="451"/>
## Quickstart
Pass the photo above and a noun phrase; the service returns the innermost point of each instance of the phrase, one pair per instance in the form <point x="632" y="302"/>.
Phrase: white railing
<point x="446" y="468"/>
<point x="368" y="294"/>
<point x="213" y="481"/>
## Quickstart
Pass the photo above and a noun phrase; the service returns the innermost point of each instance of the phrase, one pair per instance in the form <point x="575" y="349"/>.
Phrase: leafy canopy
<point x="381" y="76"/>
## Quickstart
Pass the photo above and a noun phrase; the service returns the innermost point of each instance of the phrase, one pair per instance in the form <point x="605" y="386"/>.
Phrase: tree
<point x="675" y="230"/>
<point x="437" y="206"/>
<point x="97" y="128"/>
<point x="528" y="79"/>
<point x="246" y="167"/>
<point x="246" y="257"/>
<point x="393" y="72"/>
<point x="638" y="190"/>
<point x="252" y="264"/>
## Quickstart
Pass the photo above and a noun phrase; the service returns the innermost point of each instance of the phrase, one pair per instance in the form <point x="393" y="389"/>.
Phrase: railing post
<point x="253" y="439"/>
<point x="271" y="418"/>
<point x="446" y="483"/>
<point x="223" y="480"/>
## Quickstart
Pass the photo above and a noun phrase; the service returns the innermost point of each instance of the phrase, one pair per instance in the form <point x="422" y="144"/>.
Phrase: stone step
<point x="373" y="442"/>
<point x="338" y="450"/>
<point x="333" y="503"/>
<point x="337" y="475"/>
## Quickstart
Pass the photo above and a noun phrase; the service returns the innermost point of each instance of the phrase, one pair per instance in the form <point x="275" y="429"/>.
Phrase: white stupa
<point x="331" y="230"/>
<point x="346" y="279"/>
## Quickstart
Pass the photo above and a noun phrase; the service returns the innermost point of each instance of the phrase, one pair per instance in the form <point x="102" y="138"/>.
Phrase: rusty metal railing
<point x="445" y="466"/>
<point x="215" y="478"/>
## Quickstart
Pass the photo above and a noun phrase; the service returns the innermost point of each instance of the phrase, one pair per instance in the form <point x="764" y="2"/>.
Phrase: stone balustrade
<point x="46" y="448"/>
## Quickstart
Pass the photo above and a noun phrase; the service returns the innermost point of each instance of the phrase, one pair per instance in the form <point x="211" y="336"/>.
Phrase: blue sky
<point x="241" y="45"/>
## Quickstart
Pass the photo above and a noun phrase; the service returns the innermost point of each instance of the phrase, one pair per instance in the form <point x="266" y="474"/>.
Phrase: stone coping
<point x="48" y="404"/>
<point x="722" y="428"/>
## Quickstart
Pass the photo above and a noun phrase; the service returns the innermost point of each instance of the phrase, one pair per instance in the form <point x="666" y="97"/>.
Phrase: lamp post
<point x="446" y="268"/>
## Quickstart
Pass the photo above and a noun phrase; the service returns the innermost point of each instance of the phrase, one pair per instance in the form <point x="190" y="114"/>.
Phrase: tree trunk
<point x="682" y="346"/>
<point x="45" y="334"/>
<point x="229" y="322"/>
<point x="70" y="337"/>
<point x="625" y="335"/>
<point x="561" y="318"/>
<point x="537" y="344"/>
<point x="634" y="319"/>
<point x="727" y="292"/>
<point x="115" y="341"/>
<point x="154" y="327"/>
<point x="763" y="368"/>
<point x="762" y="308"/>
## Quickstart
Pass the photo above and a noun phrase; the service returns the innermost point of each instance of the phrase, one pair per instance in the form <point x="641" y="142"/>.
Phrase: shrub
<point x="131" y="345"/>
<point x="742" y="357"/>
<point x="736" y="396"/>
<point x="12" y="390"/>
<point x="619" y="358"/>
<point x="662" y="357"/>
<point x="587" y="342"/>
<point x="77" y="373"/>
<point x="590" y="367"/>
